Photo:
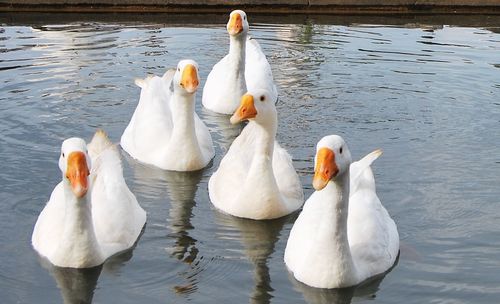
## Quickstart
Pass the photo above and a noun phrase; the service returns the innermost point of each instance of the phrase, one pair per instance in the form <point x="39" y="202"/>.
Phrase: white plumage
<point x="343" y="235"/>
<point x="165" y="130"/>
<point x="256" y="178"/>
<point x="244" y="68"/>
<point x="88" y="220"/>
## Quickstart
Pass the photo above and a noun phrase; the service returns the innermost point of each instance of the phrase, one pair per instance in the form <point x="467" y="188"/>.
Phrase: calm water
<point x="427" y="94"/>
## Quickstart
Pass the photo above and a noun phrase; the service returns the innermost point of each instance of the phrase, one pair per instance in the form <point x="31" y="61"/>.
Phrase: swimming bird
<point x="244" y="68"/>
<point x="344" y="235"/>
<point x="91" y="214"/>
<point x="165" y="130"/>
<point x="256" y="178"/>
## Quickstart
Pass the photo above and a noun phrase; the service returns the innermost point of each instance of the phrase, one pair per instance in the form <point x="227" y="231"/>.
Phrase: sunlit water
<point x="429" y="96"/>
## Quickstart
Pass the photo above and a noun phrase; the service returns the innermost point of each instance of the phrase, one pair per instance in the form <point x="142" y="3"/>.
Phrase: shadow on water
<point x="337" y="296"/>
<point x="77" y="285"/>
<point x="367" y="290"/>
<point x="258" y="239"/>
<point x="406" y="84"/>
<point x="181" y="189"/>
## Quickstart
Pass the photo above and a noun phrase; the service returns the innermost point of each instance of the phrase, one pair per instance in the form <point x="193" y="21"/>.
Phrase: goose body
<point x="165" y="130"/>
<point x="91" y="214"/>
<point x="244" y="68"/>
<point x="343" y="235"/>
<point x="256" y="178"/>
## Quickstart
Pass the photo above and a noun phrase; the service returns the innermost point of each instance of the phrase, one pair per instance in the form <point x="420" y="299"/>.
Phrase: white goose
<point x="341" y="239"/>
<point x="165" y="130"/>
<point x="244" y="68"/>
<point x="91" y="214"/>
<point x="256" y="178"/>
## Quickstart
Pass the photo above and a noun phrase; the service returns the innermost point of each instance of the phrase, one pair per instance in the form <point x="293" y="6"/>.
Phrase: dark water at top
<point x="428" y="94"/>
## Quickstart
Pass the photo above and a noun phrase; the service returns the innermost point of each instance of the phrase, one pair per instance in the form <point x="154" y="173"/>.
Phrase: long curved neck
<point x="261" y="167"/>
<point x="337" y="204"/>
<point x="184" y="131"/>
<point x="264" y="138"/>
<point x="78" y="246"/>
<point x="237" y="53"/>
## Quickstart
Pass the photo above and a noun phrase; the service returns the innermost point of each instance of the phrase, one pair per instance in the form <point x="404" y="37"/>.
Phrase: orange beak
<point x="235" y="25"/>
<point x="77" y="173"/>
<point x="246" y="110"/>
<point x="326" y="168"/>
<point x="189" y="79"/>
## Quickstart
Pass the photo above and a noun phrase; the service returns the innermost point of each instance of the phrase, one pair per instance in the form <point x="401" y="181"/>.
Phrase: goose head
<point x="237" y="23"/>
<point x="186" y="76"/>
<point x="74" y="163"/>
<point x="332" y="160"/>
<point x="258" y="106"/>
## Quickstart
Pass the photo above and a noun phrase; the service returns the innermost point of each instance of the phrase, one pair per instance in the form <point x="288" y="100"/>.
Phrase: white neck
<point x="265" y="135"/>
<point x="267" y="202"/>
<point x="184" y="131"/>
<point x="336" y="199"/>
<point x="237" y="53"/>
<point x="78" y="246"/>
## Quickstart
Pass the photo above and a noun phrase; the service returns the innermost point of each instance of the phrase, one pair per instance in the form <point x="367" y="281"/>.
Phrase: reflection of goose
<point x="165" y="130"/>
<point x="340" y="240"/>
<point x="244" y="68"/>
<point x="77" y="285"/>
<point x="258" y="239"/>
<point x="91" y="214"/>
<point x="223" y="127"/>
<point x="338" y="296"/>
<point x="256" y="178"/>
<point x="181" y="188"/>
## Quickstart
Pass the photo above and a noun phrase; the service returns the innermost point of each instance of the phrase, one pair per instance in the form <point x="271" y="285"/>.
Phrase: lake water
<point x="425" y="92"/>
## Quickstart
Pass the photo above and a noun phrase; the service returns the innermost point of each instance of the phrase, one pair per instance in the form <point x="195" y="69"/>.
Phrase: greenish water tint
<point x="428" y="94"/>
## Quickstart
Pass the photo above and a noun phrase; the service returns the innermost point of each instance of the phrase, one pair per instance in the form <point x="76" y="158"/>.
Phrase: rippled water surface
<point x="428" y="94"/>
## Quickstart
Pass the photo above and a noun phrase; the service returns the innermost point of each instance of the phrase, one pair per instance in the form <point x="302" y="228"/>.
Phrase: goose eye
<point x="262" y="98"/>
<point x="178" y="69"/>
<point x="63" y="154"/>
<point x="244" y="17"/>
<point x="340" y="150"/>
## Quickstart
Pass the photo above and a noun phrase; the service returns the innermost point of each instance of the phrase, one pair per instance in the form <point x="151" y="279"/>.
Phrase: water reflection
<point x="405" y="87"/>
<point x="338" y="296"/>
<point x="219" y="125"/>
<point x="181" y="189"/>
<point x="366" y="290"/>
<point x="77" y="285"/>
<point x="258" y="239"/>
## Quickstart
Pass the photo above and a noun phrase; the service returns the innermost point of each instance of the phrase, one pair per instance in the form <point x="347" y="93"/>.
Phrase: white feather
<point x="244" y="69"/>
<point x="81" y="233"/>
<point x="250" y="182"/>
<point x="164" y="130"/>
<point x="327" y="250"/>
